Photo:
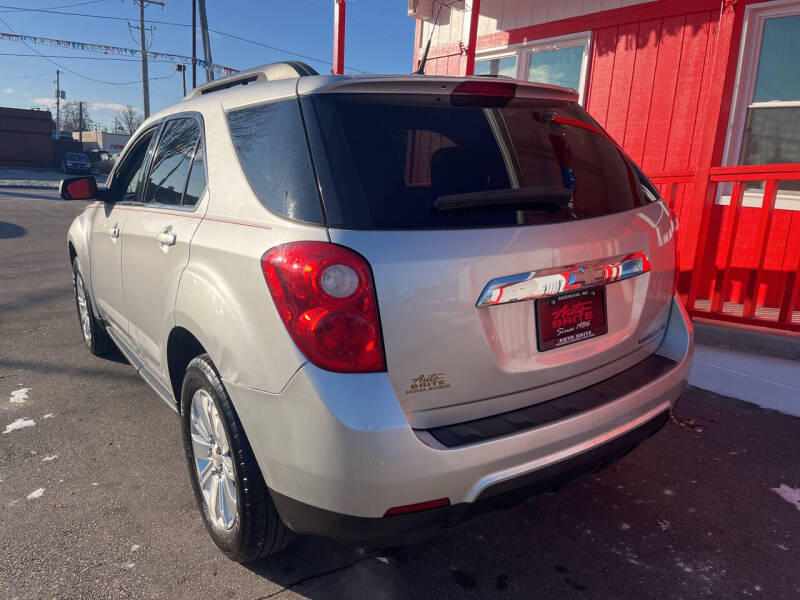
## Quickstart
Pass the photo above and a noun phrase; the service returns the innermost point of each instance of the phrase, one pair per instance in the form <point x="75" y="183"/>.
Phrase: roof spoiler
<point x="290" y="69"/>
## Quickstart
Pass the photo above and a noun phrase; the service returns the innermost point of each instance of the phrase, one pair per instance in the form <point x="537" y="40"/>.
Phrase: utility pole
<point x="143" y="45"/>
<point x="80" y="123"/>
<point x="201" y="4"/>
<point x="58" y="103"/>
<point x="194" y="44"/>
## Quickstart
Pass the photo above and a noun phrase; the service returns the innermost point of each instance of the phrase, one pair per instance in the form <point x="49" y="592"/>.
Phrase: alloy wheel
<point x="212" y="460"/>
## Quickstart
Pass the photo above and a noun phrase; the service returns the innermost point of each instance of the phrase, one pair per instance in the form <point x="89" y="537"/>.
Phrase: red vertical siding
<point x="644" y="74"/>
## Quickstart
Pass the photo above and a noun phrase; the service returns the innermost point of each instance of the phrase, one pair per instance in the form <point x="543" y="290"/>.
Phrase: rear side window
<point x="197" y="178"/>
<point x="271" y="146"/>
<point x="166" y="181"/>
<point x="404" y="164"/>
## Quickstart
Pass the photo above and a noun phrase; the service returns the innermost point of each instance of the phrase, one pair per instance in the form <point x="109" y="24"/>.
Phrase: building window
<point x="557" y="67"/>
<point x="765" y="116"/>
<point x="557" y="61"/>
<point x="505" y="66"/>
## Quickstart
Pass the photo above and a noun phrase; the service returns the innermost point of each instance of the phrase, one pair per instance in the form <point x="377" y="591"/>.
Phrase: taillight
<point x="326" y="299"/>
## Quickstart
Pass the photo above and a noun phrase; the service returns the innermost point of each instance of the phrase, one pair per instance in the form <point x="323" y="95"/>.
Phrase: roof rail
<point x="290" y="69"/>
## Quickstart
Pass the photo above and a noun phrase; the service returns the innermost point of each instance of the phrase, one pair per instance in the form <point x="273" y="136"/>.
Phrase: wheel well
<point x="72" y="253"/>
<point x="182" y="347"/>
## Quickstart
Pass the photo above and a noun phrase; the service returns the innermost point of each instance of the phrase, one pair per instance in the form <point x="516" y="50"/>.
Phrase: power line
<point x="174" y="24"/>
<point x="60" y="6"/>
<point x="60" y="66"/>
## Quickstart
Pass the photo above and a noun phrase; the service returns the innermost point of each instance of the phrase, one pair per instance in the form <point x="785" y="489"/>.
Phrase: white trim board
<point x="762" y="380"/>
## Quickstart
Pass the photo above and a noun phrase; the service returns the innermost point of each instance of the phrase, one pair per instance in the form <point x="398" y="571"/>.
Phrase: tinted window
<point x="128" y="174"/>
<point x="271" y="145"/>
<point x="172" y="162"/>
<point x="394" y="159"/>
<point x="197" y="179"/>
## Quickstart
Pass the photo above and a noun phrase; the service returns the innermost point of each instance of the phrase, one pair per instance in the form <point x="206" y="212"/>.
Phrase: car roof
<point x="278" y="81"/>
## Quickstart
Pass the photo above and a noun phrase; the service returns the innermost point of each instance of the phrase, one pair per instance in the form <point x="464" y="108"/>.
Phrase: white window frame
<point x="524" y="50"/>
<point x="747" y="69"/>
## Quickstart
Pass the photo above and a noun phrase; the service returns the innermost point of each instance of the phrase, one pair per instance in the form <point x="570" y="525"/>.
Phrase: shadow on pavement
<point x="10" y="230"/>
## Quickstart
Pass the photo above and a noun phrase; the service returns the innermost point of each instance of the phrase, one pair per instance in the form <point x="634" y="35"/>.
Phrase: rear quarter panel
<point x="223" y="299"/>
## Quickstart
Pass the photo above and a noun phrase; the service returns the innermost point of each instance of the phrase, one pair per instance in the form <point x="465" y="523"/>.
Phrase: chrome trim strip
<point x="551" y="282"/>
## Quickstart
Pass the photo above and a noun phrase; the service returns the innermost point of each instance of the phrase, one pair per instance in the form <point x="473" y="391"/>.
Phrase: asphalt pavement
<point x="96" y="501"/>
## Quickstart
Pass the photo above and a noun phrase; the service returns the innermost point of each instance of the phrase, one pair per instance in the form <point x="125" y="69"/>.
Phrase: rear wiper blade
<point x="548" y="198"/>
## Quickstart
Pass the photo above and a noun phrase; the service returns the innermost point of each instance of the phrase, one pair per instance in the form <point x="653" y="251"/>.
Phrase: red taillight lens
<point x="326" y="299"/>
<point x="484" y="93"/>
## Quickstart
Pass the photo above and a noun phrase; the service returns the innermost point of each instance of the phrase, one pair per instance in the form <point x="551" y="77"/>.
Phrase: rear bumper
<point x="406" y="529"/>
<point x="337" y="450"/>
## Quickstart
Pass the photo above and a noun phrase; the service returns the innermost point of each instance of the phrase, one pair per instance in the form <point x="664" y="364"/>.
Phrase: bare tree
<point x="72" y="119"/>
<point x="127" y="121"/>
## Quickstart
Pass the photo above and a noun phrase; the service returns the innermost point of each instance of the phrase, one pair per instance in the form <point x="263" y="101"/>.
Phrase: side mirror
<point x="78" y="188"/>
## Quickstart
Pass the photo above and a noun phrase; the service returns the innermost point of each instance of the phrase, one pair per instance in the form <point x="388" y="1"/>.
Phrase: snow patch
<point x="624" y="527"/>
<point x="19" y="424"/>
<point x="129" y="565"/>
<point x="19" y="396"/>
<point x="48" y="416"/>
<point x="49" y="458"/>
<point x="135" y="548"/>
<point x="36" y="494"/>
<point x="790" y="494"/>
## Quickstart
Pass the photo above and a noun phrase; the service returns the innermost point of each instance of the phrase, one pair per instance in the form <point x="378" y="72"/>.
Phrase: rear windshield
<point x="412" y="164"/>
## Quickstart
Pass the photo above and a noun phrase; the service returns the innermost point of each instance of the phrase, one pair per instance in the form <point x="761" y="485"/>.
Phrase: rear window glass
<point x="271" y="145"/>
<point x="403" y="164"/>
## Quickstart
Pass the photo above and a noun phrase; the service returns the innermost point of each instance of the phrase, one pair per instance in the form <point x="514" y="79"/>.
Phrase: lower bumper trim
<point x="404" y="529"/>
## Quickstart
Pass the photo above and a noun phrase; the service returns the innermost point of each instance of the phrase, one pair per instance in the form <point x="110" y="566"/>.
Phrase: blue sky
<point x="379" y="38"/>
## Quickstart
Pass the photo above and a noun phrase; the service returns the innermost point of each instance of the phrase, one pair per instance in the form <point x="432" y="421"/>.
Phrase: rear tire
<point x="243" y="522"/>
<point x="94" y="332"/>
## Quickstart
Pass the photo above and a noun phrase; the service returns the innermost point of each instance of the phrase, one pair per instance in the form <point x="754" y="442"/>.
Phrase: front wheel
<point x="94" y="334"/>
<point x="230" y="491"/>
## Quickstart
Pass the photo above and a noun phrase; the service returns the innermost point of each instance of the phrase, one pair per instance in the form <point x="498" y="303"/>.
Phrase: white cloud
<point x="45" y="101"/>
<point x="8" y="91"/>
<point x="115" y="106"/>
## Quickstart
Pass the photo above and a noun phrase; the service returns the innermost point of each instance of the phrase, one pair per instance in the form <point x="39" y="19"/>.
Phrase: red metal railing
<point x="740" y="261"/>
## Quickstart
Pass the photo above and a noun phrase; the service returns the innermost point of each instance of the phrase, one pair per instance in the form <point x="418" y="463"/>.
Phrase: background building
<point x="26" y="137"/>
<point x="703" y="94"/>
<point x="102" y="140"/>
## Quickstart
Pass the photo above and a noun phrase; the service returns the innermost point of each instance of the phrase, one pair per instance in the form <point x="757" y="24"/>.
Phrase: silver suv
<point x="382" y="304"/>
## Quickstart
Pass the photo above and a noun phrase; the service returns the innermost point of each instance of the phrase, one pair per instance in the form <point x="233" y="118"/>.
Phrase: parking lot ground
<point x="96" y="501"/>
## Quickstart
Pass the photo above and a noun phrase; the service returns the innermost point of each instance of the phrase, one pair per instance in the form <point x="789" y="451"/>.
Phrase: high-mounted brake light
<point x="489" y="93"/>
<point x="326" y="299"/>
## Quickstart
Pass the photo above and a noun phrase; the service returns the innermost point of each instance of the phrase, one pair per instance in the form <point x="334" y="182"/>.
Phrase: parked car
<point x="382" y="304"/>
<point x="76" y="162"/>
